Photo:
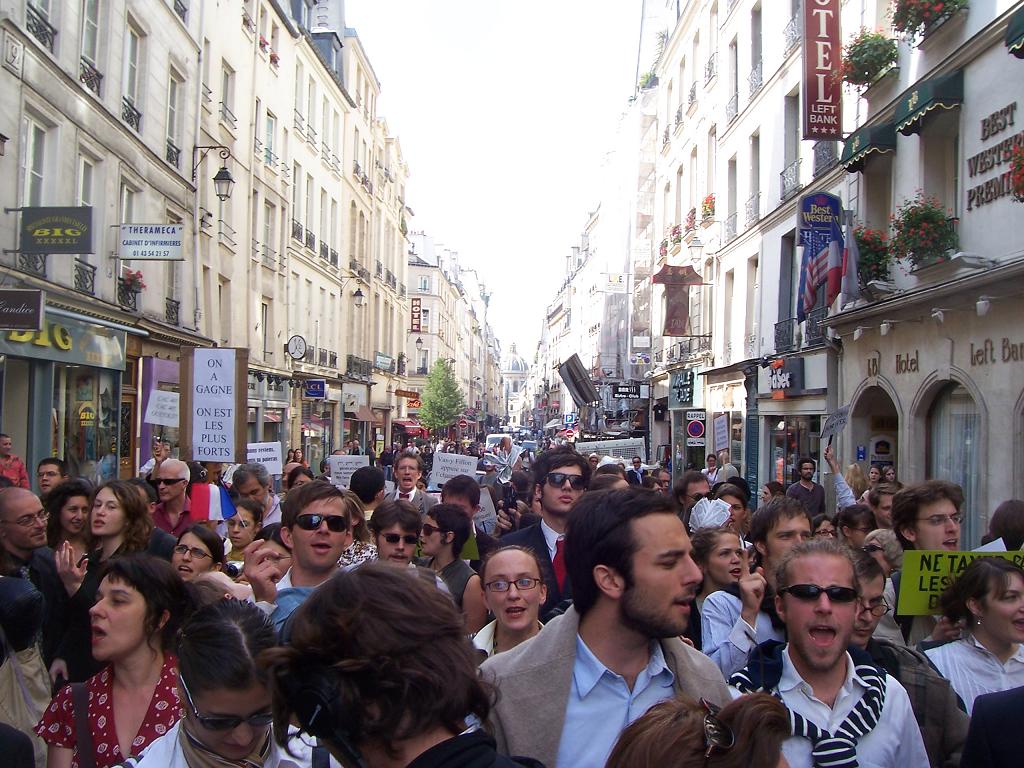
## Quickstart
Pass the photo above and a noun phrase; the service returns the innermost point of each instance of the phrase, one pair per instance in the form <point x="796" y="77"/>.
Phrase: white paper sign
<point x="213" y="405"/>
<point x="721" y="432"/>
<point x="449" y="465"/>
<point x="835" y="422"/>
<point x="342" y="468"/>
<point x="162" y="408"/>
<point x="267" y="454"/>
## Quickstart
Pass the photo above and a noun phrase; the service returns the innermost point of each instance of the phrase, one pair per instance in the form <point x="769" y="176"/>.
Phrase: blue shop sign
<point x="314" y="389"/>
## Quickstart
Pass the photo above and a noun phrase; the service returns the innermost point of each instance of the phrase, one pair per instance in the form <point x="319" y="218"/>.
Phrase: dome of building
<point x="514" y="363"/>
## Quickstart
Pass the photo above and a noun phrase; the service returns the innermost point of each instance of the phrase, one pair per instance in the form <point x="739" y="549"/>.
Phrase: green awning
<point x="942" y="92"/>
<point x="1015" y="34"/>
<point x="869" y="139"/>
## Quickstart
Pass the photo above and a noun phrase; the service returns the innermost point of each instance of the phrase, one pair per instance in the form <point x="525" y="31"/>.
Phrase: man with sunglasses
<point x="844" y="710"/>
<point x="316" y="525"/>
<point x="173" y="513"/>
<point x="936" y="706"/>
<point x="562" y="476"/>
<point x="688" y="490"/>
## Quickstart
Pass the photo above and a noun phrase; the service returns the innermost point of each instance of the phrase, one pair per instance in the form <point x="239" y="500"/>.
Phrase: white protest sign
<point x="162" y="408"/>
<point x="721" y="432"/>
<point x="267" y="454"/>
<point x="449" y="465"/>
<point x="835" y="422"/>
<point x="213" y="405"/>
<point x="342" y="468"/>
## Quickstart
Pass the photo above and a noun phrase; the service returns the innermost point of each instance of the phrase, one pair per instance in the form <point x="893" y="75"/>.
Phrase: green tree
<point x="443" y="401"/>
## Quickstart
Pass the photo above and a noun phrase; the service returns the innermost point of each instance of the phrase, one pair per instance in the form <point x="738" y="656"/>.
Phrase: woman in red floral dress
<point x="133" y="701"/>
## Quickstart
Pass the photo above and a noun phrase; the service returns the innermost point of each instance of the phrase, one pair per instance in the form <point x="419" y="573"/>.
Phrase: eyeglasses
<point x="196" y="552"/>
<point x="717" y="735"/>
<point x="812" y="592"/>
<point x="394" y="538"/>
<point x="877" y="607"/>
<point x="501" y="585"/>
<point x="30" y="519"/>
<point x="169" y="480"/>
<point x="872" y="548"/>
<point x="312" y="521"/>
<point x="557" y="480"/>
<point x="825" y="532"/>
<point x="430" y="530"/>
<point x="224" y="722"/>
<point x="937" y="520"/>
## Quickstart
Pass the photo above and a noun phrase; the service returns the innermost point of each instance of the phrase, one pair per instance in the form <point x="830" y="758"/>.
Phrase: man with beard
<point x="844" y="710"/>
<point x="566" y="694"/>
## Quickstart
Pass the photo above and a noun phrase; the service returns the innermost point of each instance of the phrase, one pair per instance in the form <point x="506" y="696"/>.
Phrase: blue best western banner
<point x="821" y="236"/>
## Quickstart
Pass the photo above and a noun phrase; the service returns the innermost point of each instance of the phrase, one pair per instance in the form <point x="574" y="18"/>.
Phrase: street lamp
<point x="223" y="181"/>
<point x="419" y="342"/>
<point x="358" y="296"/>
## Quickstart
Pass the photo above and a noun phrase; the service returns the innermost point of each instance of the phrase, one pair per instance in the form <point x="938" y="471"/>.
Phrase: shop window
<point x="791" y="438"/>
<point x="85" y="427"/>
<point x="954" y="432"/>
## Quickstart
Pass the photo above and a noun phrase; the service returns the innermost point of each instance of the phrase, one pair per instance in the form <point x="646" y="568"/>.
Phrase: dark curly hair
<point x="54" y="503"/>
<point x="138" y="523"/>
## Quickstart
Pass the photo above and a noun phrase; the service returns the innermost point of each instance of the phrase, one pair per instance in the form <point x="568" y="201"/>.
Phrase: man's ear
<point x="609" y="581"/>
<point x="286" y="537"/>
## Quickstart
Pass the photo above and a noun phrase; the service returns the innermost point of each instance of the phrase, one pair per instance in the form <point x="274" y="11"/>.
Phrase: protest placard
<point x="835" y="423"/>
<point x="927" y="573"/>
<point x="162" y="409"/>
<point x="267" y="454"/>
<point x="342" y="468"/>
<point x="449" y="465"/>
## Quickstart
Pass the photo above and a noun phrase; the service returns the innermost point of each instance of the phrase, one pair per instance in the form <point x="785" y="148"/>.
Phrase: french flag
<point x="210" y="502"/>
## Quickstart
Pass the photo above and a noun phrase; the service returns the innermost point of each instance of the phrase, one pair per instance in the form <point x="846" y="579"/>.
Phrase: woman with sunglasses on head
<point x="68" y="508"/>
<point x="445" y="530"/>
<point x="198" y="551"/>
<point x="681" y="733"/>
<point x="119" y="525"/>
<point x="131" y="701"/>
<point x="362" y="548"/>
<point x="513" y="591"/>
<point x="226" y="719"/>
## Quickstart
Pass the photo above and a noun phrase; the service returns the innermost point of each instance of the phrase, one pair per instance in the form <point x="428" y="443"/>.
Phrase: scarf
<point x="829" y="750"/>
<point x="198" y="755"/>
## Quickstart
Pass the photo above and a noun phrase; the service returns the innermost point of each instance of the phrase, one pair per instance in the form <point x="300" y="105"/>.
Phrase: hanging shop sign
<point x="151" y="242"/>
<point x="786" y="377"/>
<point x="68" y="341"/>
<point x="626" y="392"/>
<point x="314" y="389"/>
<point x="21" y="309"/>
<point x="407" y="394"/>
<point x="383" y="362"/>
<point x="822" y="81"/>
<point x="56" y="230"/>
<point x="415" y="314"/>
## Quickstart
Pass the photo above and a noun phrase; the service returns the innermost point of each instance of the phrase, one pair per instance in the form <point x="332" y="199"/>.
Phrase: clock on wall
<point x="297" y="347"/>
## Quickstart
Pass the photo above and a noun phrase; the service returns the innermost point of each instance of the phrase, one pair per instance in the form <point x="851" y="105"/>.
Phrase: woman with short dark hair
<point x="445" y="530"/>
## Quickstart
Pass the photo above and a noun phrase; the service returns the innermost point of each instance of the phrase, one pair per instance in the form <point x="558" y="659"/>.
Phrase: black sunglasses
<point x="394" y="538"/>
<point x="429" y="530"/>
<point x="812" y="592"/>
<point x="224" y="722"/>
<point x="312" y="521"/>
<point x="557" y="479"/>
<point x="169" y="480"/>
<point x="717" y="735"/>
<point x="872" y="548"/>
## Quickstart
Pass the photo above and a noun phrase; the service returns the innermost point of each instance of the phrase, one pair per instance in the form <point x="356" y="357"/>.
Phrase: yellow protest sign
<point x="927" y="573"/>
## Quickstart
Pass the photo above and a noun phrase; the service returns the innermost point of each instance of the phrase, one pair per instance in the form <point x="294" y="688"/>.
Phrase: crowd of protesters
<point x="604" y="616"/>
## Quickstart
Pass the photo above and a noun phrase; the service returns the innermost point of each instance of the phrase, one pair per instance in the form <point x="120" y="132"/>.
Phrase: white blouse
<point x="973" y="670"/>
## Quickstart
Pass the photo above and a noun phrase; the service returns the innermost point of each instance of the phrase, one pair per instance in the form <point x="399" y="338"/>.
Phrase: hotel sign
<point x="822" y="59"/>
<point x="415" y="315"/>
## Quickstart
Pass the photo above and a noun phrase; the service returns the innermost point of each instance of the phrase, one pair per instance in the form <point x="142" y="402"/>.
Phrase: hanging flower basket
<point x="875" y="258"/>
<point x="133" y="281"/>
<point x="707" y="208"/>
<point x="663" y="248"/>
<point x="691" y="220"/>
<point x="922" y="232"/>
<point x="913" y="18"/>
<point x="1017" y="173"/>
<point x="867" y="57"/>
<point x="676" y="234"/>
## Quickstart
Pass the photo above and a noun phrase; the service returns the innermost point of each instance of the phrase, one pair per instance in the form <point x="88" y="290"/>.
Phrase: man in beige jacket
<point x="565" y="695"/>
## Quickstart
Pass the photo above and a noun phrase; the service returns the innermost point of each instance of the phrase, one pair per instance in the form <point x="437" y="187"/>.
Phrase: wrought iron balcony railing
<point x="34" y="263"/>
<point x="790" y="179"/>
<point x="785" y="335"/>
<point x="730" y="227"/>
<point x="227" y="115"/>
<point x="90" y="77"/>
<point x="173" y="154"/>
<point x="325" y="251"/>
<point x="127" y="296"/>
<point x="310" y="240"/>
<point x="732" y="107"/>
<point x="755" y="79"/>
<point x="753" y="209"/>
<point x="181" y="9"/>
<point x="814" y="333"/>
<point x="826" y="157"/>
<point x="172" y="311"/>
<point x="791" y="34"/>
<point x="130" y="114"/>
<point x="710" y="68"/>
<point x="85" y="277"/>
<point x="692" y="98"/>
<point x="334" y="258"/>
<point x="39" y="26"/>
<point x="297" y="230"/>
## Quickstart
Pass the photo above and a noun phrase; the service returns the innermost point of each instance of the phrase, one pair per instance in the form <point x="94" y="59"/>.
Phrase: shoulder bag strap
<point x="83" y="734"/>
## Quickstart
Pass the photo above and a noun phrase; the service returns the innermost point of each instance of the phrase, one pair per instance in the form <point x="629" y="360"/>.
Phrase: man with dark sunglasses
<point x="173" y="513"/>
<point x="316" y="525"/>
<point x="561" y="476"/>
<point x="844" y="710"/>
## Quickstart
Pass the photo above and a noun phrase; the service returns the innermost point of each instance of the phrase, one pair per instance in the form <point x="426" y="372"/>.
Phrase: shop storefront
<point x="268" y="409"/>
<point x="684" y="403"/>
<point x="158" y="375"/>
<point x="359" y="419"/>
<point x="61" y="393"/>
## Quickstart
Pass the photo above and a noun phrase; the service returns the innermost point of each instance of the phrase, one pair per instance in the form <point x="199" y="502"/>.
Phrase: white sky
<point x="504" y="110"/>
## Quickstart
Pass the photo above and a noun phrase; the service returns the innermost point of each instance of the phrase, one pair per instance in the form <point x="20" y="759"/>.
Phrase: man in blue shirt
<point x="566" y="694"/>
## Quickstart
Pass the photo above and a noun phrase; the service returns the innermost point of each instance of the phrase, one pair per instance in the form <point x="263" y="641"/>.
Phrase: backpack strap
<point x="83" y="734"/>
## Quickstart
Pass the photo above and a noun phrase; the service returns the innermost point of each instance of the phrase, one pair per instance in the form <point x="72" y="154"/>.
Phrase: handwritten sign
<point x="835" y="423"/>
<point x="927" y="573"/>
<point x="449" y="465"/>
<point x="163" y="408"/>
<point x="267" y="454"/>
<point x="342" y="468"/>
<point x="213" y="405"/>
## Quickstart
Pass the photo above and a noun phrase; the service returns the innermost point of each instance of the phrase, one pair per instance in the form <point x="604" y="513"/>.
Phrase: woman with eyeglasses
<point x="445" y="531"/>
<point x="227" y="718"/>
<point x="823" y="527"/>
<point x="68" y="508"/>
<point x="119" y="524"/>
<point x="513" y="591"/>
<point x="682" y="733"/>
<point x="853" y="524"/>
<point x="988" y="599"/>
<point x="131" y="701"/>
<point x="199" y="550"/>
<point x="243" y="527"/>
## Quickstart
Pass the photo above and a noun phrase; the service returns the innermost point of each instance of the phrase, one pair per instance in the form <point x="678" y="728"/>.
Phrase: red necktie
<point x="405" y="495"/>
<point x="558" y="564"/>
